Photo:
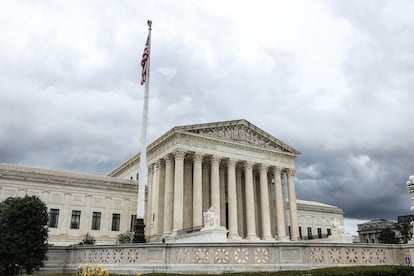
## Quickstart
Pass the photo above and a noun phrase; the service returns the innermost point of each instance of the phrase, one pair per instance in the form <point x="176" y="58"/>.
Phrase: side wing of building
<point x="77" y="203"/>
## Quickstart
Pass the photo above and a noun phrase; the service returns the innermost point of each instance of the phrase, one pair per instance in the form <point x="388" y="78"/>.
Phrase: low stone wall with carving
<point x="223" y="257"/>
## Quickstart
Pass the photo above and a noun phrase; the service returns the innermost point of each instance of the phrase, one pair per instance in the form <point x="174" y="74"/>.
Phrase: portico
<point x="234" y="167"/>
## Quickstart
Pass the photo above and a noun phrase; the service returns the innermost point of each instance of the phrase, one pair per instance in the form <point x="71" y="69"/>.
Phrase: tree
<point x="387" y="235"/>
<point x="24" y="233"/>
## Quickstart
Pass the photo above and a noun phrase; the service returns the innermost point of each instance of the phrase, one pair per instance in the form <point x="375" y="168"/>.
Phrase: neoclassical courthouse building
<point x="245" y="174"/>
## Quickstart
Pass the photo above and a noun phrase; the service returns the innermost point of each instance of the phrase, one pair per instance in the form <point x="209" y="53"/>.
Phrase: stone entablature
<point x="239" y="135"/>
<point x="224" y="257"/>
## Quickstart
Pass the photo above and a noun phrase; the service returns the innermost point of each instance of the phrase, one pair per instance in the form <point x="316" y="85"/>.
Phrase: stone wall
<point x="223" y="257"/>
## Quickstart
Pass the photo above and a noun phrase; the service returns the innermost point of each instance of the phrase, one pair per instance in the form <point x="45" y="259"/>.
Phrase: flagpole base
<point x="139" y="233"/>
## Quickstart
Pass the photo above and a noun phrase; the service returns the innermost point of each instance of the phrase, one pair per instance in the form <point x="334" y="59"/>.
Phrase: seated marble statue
<point x="210" y="219"/>
<point x="337" y="228"/>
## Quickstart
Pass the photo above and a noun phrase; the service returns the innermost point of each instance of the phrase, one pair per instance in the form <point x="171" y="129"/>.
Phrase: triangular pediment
<point x="239" y="131"/>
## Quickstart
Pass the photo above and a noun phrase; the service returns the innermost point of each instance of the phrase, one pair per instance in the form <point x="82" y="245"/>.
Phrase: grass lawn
<point x="354" y="271"/>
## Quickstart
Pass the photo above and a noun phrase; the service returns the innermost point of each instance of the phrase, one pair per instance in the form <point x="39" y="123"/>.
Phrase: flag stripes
<point x="144" y="62"/>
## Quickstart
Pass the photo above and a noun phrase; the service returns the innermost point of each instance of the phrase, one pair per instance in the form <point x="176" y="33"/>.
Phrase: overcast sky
<point x="333" y="79"/>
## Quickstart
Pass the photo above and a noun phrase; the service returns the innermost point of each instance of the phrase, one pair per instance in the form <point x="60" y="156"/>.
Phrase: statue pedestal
<point x="342" y="238"/>
<point x="205" y="235"/>
<point x="212" y="232"/>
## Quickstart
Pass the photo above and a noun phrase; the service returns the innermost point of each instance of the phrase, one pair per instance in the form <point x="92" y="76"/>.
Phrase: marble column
<point x="264" y="203"/>
<point x="222" y="183"/>
<point x="155" y="198"/>
<point x="188" y="195"/>
<point x="168" y="195"/>
<point x="197" y="190"/>
<point x="215" y="185"/>
<point x="206" y="185"/>
<point x="280" y="213"/>
<point x="250" y="211"/>
<point x="178" y="191"/>
<point x="294" y="228"/>
<point x="232" y="199"/>
<point x="240" y="202"/>
<point x="148" y="221"/>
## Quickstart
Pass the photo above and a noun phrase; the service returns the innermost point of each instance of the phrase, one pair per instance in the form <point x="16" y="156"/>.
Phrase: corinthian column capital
<point x="198" y="157"/>
<point x="291" y="172"/>
<point x="263" y="167"/>
<point x="169" y="159"/>
<point x="179" y="154"/>
<point x="277" y="170"/>
<point x="248" y="165"/>
<point x="215" y="159"/>
<point x="231" y="162"/>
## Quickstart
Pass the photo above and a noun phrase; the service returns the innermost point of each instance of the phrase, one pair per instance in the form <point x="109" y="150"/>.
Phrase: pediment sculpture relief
<point x="241" y="134"/>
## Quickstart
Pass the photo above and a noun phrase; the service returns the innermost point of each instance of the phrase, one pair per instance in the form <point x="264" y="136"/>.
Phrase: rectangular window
<point x="53" y="218"/>
<point x="96" y="220"/>
<point x="328" y="231"/>
<point x="300" y="233"/>
<point x="309" y="233"/>
<point x="75" y="221"/>
<point x="133" y="218"/>
<point x="289" y="232"/>
<point x="116" y="220"/>
<point x="319" y="233"/>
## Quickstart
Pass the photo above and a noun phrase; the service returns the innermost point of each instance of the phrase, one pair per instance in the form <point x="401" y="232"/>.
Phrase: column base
<point x="282" y="239"/>
<point x="252" y="238"/>
<point x="294" y="238"/>
<point x="139" y="231"/>
<point x="234" y="237"/>
<point x="268" y="238"/>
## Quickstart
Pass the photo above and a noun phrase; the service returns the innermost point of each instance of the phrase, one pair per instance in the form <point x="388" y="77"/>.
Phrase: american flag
<point x="144" y="62"/>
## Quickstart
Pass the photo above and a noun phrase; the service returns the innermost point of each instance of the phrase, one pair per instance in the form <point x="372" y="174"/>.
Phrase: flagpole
<point x="139" y="227"/>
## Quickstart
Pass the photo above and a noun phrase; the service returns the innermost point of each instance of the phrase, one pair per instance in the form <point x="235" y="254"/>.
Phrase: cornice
<point x="14" y="172"/>
<point x="318" y="207"/>
<point x="132" y="160"/>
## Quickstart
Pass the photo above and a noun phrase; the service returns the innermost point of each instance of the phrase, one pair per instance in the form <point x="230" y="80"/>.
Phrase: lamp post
<point x="410" y="188"/>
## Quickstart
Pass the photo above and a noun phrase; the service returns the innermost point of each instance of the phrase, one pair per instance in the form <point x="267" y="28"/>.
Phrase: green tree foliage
<point x="125" y="237"/>
<point x="23" y="234"/>
<point x="387" y="235"/>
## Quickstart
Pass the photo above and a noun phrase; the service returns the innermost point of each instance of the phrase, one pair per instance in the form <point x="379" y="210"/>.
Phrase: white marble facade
<point x="245" y="174"/>
<point x="238" y="169"/>
<point x="79" y="203"/>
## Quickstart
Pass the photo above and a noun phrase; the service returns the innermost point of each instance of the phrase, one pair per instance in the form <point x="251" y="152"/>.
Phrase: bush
<point x="24" y="233"/>
<point x="88" y="239"/>
<point x="125" y="237"/>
